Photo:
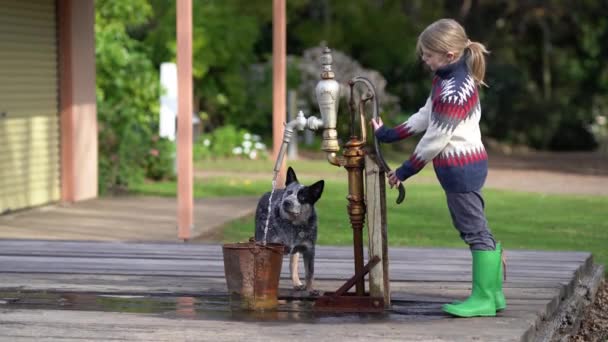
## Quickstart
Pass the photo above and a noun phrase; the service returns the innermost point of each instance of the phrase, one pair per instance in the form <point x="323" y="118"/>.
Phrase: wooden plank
<point x="419" y="288"/>
<point x="520" y="269"/>
<point x="342" y="254"/>
<point x="403" y="291"/>
<point x="71" y="325"/>
<point x="180" y="267"/>
<point x="188" y="260"/>
<point x="375" y="197"/>
<point x="167" y="249"/>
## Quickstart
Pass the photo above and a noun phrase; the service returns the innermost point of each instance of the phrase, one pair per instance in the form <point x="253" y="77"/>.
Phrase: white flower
<point x="237" y="150"/>
<point x="259" y="146"/>
<point x="600" y="120"/>
<point x="256" y="137"/>
<point x="206" y="142"/>
<point x="247" y="144"/>
<point x="253" y="154"/>
<point x="247" y="136"/>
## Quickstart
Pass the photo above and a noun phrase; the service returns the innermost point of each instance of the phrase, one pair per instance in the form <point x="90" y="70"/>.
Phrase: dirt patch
<point x="523" y="158"/>
<point x="580" y="173"/>
<point x="594" y="326"/>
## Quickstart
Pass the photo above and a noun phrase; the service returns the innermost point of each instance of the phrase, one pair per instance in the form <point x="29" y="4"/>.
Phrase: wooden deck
<point x="64" y="291"/>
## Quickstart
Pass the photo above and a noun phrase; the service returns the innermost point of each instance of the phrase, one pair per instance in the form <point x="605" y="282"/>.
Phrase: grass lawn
<point x="519" y="220"/>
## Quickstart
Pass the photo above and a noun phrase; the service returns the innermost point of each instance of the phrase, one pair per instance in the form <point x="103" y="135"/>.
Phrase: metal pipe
<point x="354" y="155"/>
<point x="327" y="93"/>
<point x="334" y="159"/>
<point x="299" y="123"/>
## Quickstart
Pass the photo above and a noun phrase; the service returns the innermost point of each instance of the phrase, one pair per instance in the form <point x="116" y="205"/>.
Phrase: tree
<point x="127" y="93"/>
<point x="224" y="38"/>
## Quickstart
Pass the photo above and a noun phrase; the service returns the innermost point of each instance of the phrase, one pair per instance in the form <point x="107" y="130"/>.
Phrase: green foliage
<point x="217" y="187"/>
<point x="224" y="36"/>
<point x="257" y="114"/>
<point x="229" y="141"/>
<point x="546" y="76"/>
<point x="127" y="94"/>
<point x="544" y="72"/>
<point x="160" y="159"/>
<point x="545" y="69"/>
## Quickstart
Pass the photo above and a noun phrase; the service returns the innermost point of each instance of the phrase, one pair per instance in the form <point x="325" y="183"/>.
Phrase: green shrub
<point x="159" y="161"/>
<point x="229" y="141"/>
<point x="127" y="94"/>
<point x="121" y="151"/>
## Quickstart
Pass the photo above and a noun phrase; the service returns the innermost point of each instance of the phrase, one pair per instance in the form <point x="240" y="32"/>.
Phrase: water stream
<point x="274" y="185"/>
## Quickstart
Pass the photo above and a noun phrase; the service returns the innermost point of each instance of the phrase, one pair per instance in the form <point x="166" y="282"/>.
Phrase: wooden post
<point x="279" y="81"/>
<point x="375" y="196"/>
<point x="184" y="119"/>
<point x="78" y="110"/>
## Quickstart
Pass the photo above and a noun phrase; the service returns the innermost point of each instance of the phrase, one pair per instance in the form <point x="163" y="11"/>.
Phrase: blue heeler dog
<point x="293" y="222"/>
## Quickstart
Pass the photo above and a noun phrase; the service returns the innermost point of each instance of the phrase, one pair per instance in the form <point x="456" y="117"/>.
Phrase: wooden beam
<point x="279" y="81"/>
<point x="375" y="197"/>
<point x="184" y="119"/>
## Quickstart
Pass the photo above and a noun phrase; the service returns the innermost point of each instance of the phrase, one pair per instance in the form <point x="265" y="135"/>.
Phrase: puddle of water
<point x="207" y="307"/>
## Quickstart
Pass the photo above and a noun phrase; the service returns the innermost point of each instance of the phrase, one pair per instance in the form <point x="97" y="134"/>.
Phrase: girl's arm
<point x="432" y="142"/>
<point x="448" y="112"/>
<point x="415" y="124"/>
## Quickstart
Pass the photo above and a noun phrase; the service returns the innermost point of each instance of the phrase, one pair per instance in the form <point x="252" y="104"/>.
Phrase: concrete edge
<point x="565" y="319"/>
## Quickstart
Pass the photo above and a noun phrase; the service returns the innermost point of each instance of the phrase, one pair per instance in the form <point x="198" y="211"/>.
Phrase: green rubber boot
<point x="482" y="300"/>
<point x="499" y="296"/>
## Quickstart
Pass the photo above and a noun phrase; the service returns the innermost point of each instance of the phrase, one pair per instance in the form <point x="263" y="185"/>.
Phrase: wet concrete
<point x="209" y="307"/>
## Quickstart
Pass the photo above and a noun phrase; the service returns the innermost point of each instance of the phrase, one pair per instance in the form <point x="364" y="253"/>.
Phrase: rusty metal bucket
<point x="252" y="273"/>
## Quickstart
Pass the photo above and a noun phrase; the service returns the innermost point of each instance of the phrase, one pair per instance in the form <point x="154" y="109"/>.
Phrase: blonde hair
<point x="447" y="35"/>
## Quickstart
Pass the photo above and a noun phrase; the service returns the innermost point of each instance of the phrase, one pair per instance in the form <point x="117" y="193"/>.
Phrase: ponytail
<point x="476" y="61"/>
<point x="445" y="35"/>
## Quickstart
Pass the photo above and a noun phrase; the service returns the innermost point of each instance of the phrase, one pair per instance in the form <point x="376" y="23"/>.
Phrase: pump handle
<point x="381" y="161"/>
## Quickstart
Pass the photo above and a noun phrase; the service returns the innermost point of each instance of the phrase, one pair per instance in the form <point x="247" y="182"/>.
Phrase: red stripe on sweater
<point x="403" y="131"/>
<point x="417" y="162"/>
<point x="455" y="110"/>
<point x="460" y="160"/>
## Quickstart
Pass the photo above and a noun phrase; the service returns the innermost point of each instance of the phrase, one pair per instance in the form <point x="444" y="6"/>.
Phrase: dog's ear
<point x="291" y="176"/>
<point x="315" y="191"/>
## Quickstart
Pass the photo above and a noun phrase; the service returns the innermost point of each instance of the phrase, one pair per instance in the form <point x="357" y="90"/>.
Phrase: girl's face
<point x="435" y="60"/>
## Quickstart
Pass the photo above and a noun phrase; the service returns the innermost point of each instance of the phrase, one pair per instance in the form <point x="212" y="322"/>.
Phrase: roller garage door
<point x="29" y="113"/>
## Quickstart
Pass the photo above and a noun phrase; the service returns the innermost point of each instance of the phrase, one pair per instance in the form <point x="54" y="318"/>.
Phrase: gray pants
<point x="467" y="210"/>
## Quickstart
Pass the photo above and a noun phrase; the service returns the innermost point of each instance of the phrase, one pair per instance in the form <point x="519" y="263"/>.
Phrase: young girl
<point x="452" y="140"/>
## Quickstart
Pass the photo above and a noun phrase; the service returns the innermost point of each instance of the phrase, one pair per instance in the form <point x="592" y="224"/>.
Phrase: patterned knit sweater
<point x="452" y="139"/>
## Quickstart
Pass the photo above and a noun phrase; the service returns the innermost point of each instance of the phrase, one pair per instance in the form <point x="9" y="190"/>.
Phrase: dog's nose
<point x="287" y="205"/>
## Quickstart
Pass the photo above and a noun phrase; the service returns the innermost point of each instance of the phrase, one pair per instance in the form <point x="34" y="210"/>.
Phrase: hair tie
<point x="469" y="42"/>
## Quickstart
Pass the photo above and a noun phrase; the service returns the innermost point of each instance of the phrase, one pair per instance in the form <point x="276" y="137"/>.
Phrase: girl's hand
<point x="392" y="179"/>
<point x="377" y="123"/>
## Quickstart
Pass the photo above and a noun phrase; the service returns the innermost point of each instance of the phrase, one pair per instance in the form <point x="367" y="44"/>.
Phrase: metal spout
<point x="299" y="123"/>
<point x="328" y="98"/>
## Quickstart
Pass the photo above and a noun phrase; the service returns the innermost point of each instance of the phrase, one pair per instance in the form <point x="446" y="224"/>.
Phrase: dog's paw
<point x="299" y="287"/>
<point x="314" y="293"/>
